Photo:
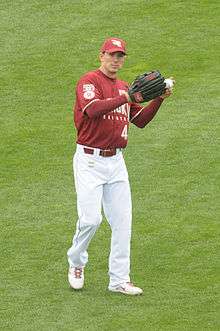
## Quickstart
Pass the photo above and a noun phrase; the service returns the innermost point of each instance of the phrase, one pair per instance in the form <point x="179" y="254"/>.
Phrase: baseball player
<point x="102" y="113"/>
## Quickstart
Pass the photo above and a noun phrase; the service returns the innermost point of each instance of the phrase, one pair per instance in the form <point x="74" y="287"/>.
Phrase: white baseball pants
<point x="102" y="182"/>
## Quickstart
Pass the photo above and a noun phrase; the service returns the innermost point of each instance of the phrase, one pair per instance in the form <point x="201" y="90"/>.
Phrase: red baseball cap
<point x="112" y="45"/>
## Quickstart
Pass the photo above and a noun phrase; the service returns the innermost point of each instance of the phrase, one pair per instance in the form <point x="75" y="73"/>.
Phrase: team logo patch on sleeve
<point x="88" y="91"/>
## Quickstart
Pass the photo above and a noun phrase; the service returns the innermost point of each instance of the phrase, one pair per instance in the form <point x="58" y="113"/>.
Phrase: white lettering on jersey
<point x="121" y="110"/>
<point x="124" y="133"/>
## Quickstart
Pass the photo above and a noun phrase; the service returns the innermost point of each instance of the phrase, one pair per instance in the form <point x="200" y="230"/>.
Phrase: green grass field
<point x="173" y="166"/>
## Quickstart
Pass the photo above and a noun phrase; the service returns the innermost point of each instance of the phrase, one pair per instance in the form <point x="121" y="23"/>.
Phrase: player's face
<point x="112" y="62"/>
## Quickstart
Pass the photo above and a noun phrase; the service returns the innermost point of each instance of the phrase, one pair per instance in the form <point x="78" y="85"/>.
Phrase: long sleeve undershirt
<point x="147" y="113"/>
<point x="100" y="107"/>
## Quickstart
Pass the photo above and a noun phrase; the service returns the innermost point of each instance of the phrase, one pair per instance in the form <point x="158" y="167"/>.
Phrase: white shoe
<point x="126" y="288"/>
<point x="76" y="277"/>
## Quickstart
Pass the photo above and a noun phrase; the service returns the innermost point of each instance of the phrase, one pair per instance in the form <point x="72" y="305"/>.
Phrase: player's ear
<point x="101" y="54"/>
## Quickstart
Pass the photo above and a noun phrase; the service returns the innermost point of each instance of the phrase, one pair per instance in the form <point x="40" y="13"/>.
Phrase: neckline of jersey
<point x="102" y="73"/>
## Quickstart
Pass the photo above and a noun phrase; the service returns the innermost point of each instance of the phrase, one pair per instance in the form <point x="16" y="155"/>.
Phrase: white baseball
<point x="169" y="82"/>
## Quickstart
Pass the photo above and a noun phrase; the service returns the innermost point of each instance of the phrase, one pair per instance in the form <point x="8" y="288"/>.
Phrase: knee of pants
<point x="92" y="221"/>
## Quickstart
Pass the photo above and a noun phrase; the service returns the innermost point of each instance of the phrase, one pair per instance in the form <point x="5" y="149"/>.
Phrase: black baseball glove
<point x="147" y="86"/>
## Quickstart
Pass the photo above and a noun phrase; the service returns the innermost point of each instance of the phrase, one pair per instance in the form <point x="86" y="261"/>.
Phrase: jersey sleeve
<point x="135" y="110"/>
<point x="87" y="91"/>
<point x="141" y="116"/>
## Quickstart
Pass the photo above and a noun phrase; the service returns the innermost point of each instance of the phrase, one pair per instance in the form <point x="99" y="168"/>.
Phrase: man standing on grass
<point x="102" y="112"/>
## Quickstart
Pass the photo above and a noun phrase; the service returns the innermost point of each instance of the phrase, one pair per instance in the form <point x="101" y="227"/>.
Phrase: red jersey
<point x="109" y="130"/>
<point x="102" y="113"/>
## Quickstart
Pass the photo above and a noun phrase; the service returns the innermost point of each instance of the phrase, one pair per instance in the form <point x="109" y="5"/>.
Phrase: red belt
<point x="102" y="152"/>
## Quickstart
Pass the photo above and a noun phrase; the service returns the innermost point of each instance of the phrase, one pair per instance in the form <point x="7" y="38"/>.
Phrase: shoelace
<point x="78" y="272"/>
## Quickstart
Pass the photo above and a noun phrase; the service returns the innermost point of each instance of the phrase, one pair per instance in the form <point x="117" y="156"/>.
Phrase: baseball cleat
<point x="126" y="288"/>
<point x="76" y="277"/>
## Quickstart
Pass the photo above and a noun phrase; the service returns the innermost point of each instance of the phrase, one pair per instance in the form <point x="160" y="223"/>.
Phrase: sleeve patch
<point x="89" y="91"/>
<point x="89" y="95"/>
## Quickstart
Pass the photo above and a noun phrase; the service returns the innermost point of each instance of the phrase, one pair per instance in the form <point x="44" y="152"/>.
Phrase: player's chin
<point x="115" y="68"/>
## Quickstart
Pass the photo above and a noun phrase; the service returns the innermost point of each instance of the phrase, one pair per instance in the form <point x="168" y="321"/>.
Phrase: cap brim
<point x="116" y="49"/>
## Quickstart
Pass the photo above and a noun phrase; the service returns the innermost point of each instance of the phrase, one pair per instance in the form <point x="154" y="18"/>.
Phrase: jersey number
<point x="124" y="133"/>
